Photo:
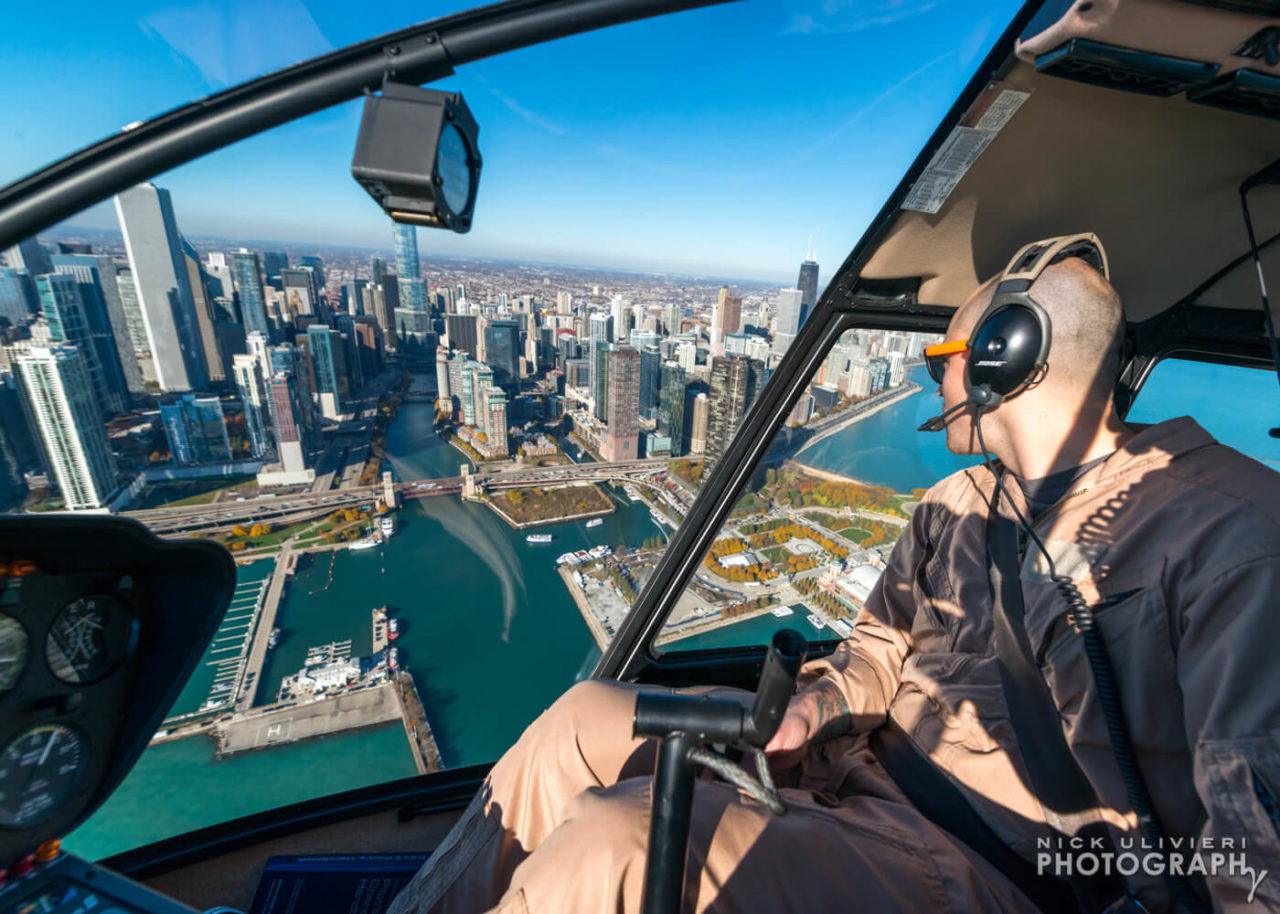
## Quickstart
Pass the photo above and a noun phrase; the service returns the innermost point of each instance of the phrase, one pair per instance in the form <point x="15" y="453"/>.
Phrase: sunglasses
<point x="936" y="356"/>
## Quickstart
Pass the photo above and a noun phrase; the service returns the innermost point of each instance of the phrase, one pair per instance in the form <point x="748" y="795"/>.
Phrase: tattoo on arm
<point x="831" y="716"/>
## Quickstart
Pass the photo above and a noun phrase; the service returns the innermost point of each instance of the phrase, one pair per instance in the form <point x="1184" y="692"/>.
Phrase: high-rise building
<point x="671" y="407"/>
<point x="600" y="328"/>
<point x="726" y="318"/>
<point x="564" y="303"/>
<point x="494" y="421"/>
<point x="897" y="368"/>
<point x="289" y="423"/>
<point x="353" y="296"/>
<point x="599" y="367"/>
<point x="700" y="417"/>
<point x="413" y="291"/>
<point x="18" y="301"/>
<point x="247" y="371"/>
<point x="316" y="265"/>
<point x="195" y="429"/>
<point x="137" y="329"/>
<point x="274" y="263"/>
<point x="790" y="306"/>
<point x="329" y="365"/>
<point x="622" y="438"/>
<point x="502" y="352"/>
<point x="162" y="287"/>
<point x="879" y="369"/>
<point x="650" y="380"/>
<point x="620" y="316"/>
<point x="218" y="275"/>
<point x="67" y="314"/>
<point x="808" y="286"/>
<point x="735" y="382"/>
<point x="687" y="355"/>
<point x="28" y="254"/>
<point x="217" y="363"/>
<point x="672" y="319"/>
<point x="18" y="449"/>
<point x="301" y="293"/>
<point x="461" y="331"/>
<point x="444" y="394"/>
<point x="56" y="385"/>
<point x="857" y="381"/>
<point x="97" y="275"/>
<point x="246" y="273"/>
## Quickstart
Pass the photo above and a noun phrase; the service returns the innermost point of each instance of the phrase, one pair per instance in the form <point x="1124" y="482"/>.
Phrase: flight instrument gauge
<point x="39" y="770"/>
<point x="89" y="638"/>
<point x="13" y="651"/>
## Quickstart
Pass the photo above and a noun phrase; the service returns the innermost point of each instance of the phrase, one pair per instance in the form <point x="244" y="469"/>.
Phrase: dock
<point x="276" y="724"/>
<point x="379" y="630"/>
<point x="426" y="754"/>
<point x="246" y="685"/>
<point x="594" y="625"/>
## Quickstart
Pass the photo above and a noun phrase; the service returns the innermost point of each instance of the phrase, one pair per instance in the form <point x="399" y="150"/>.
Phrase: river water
<point x="489" y="631"/>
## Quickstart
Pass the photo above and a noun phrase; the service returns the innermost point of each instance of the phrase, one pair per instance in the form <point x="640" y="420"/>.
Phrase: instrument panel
<point x="101" y="624"/>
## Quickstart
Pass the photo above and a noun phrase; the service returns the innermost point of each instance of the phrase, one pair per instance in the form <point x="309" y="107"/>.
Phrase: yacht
<point x="388" y="526"/>
<point x="538" y="538"/>
<point x="595" y="522"/>
<point x="782" y="611"/>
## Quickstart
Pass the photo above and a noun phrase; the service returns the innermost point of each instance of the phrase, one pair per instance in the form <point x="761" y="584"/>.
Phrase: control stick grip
<point x="777" y="683"/>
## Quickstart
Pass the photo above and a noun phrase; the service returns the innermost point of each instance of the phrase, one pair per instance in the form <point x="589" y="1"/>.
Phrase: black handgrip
<point x="777" y="683"/>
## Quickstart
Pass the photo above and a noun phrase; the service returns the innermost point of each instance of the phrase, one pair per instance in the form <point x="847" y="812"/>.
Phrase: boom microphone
<point x="939" y="422"/>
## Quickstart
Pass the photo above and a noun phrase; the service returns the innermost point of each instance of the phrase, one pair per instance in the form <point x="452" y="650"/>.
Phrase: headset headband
<point x="1034" y="258"/>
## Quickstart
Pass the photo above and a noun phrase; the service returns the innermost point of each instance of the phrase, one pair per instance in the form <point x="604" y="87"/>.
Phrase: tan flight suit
<point x="1174" y="539"/>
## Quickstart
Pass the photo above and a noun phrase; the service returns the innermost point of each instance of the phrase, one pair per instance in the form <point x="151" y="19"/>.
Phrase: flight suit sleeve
<point x="1230" y="678"/>
<point x="866" y="667"/>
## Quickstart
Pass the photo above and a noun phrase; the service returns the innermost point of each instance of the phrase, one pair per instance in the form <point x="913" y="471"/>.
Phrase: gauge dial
<point x="13" y="651"/>
<point x="39" y="770"/>
<point x="89" y="638"/>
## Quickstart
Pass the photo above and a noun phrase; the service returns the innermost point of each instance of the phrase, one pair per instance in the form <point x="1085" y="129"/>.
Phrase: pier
<point x="246" y="686"/>
<point x="288" y="723"/>
<point x="426" y="754"/>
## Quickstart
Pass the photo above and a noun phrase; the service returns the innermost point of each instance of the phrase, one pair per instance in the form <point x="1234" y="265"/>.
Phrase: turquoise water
<point x="180" y="786"/>
<point x="751" y="632"/>
<point x="885" y="449"/>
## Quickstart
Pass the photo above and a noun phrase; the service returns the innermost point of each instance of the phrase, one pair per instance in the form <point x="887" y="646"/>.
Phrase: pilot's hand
<point x="788" y="744"/>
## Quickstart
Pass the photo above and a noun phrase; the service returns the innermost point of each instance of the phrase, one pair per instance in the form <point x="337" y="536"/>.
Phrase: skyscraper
<point x="18" y="449"/>
<point x="246" y="273"/>
<point x="413" y="292"/>
<point x="650" y="379"/>
<point x="195" y="429"/>
<point x="97" y="275"/>
<point x="808" y="286"/>
<point x="17" y="295"/>
<point x="461" y="330"/>
<point x="247" y="371"/>
<point x="137" y="328"/>
<point x="699" y="418"/>
<point x="65" y="311"/>
<point x="329" y="364"/>
<point x="599" y="368"/>
<point x="162" y="287"/>
<point x="671" y="407"/>
<point x="622" y="438"/>
<point x="726" y="318"/>
<point x="216" y="362"/>
<point x="56" y="384"/>
<point x="301" y="293"/>
<point x="274" y="263"/>
<point x="502" y="352"/>
<point x="790" y="306"/>
<point x="28" y="255"/>
<point x="289" y="423"/>
<point x="735" y="382"/>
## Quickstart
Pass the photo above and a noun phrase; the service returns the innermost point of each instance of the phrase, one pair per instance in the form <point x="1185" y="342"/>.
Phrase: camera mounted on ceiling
<point x="418" y="157"/>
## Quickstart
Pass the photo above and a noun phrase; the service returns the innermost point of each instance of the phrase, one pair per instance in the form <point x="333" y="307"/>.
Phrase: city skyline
<point x="620" y="148"/>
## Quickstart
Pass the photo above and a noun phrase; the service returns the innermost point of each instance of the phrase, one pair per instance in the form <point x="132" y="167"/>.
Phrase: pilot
<point x="1173" y="538"/>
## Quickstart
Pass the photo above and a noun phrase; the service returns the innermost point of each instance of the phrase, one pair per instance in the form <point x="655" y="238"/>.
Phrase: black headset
<point x="1009" y="346"/>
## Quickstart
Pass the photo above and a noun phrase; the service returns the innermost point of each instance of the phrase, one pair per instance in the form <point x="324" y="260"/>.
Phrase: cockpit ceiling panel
<point x="1175" y="28"/>
<point x="1156" y="178"/>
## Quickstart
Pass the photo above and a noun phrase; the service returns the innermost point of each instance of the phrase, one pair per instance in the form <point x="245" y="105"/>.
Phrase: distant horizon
<point x="306" y="247"/>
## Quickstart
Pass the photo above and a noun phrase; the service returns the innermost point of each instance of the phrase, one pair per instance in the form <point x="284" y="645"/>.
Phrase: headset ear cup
<point x="1008" y="346"/>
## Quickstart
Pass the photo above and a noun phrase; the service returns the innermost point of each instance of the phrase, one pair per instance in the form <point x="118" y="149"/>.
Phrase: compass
<point x="89" y="638"/>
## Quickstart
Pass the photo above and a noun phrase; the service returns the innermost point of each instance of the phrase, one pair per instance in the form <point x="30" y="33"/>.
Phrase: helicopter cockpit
<point x="740" y="500"/>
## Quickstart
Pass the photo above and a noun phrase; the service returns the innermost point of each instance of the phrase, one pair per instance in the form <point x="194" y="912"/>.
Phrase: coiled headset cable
<point x="1080" y="615"/>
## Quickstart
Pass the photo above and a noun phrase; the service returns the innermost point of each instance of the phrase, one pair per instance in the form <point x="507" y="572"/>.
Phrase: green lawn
<point x="188" y="492"/>
<point x="776" y="554"/>
<point x="855" y="534"/>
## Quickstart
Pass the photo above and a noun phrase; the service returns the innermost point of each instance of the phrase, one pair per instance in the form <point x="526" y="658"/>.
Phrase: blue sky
<point x="714" y="141"/>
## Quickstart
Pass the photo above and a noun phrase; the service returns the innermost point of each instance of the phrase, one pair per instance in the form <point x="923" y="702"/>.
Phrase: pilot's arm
<point x="850" y="690"/>
<point x="1229" y="669"/>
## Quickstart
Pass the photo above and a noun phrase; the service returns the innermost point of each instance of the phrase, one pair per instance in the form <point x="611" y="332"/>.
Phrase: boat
<point x="599" y="552"/>
<point x="581" y="556"/>
<point x="362" y="544"/>
<point x="388" y="527"/>
<point x="393" y="630"/>
<point x="782" y="611"/>
<point x="658" y="518"/>
<point x="538" y="538"/>
<point x="816" y="621"/>
<point x="631" y="493"/>
<point x="595" y="522"/>
<point x="273" y="639"/>
<point x="393" y="659"/>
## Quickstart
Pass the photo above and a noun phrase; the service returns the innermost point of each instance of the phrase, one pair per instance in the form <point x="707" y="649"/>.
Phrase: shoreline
<point x="525" y="525"/>
<point x="908" y="390"/>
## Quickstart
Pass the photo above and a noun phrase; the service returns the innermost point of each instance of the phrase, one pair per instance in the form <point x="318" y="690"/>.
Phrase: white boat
<point x="631" y="493"/>
<point x="388" y="526"/>
<point x="567" y="559"/>
<point x="782" y="611"/>
<point x="362" y="544"/>
<point x="273" y="639"/>
<point x="582" y="556"/>
<point x="595" y="522"/>
<point x="538" y="538"/>
<point x="599" y="552"/>
<point x="659" y="518"/>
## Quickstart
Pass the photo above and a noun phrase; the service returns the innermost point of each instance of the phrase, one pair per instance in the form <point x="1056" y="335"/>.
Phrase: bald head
<point x="1086" y="317"/>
